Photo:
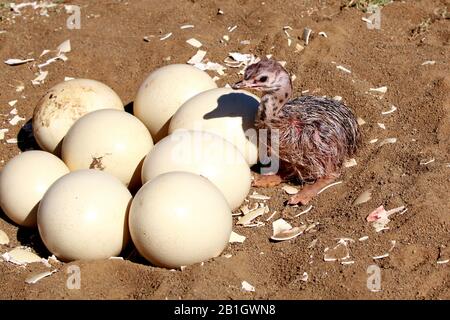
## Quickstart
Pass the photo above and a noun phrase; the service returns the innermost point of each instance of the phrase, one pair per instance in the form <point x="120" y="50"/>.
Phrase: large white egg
<point x="109" y="140"/>
<point x="23" y="182"/>
<point x="178" y="219"/>
<point x="65" y="103"/>
<point x="164" y="91"/>
<point x="205" y="154"/>
<point x="84" y="215"/>
<point x="226" y="112"/>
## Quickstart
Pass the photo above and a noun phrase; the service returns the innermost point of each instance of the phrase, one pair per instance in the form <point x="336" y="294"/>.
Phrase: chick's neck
<point x="273" y="101"/>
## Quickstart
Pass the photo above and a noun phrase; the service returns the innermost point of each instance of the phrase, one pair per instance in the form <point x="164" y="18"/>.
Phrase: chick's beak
<point x="239" y="85"/>
<point x="246" y="84"/>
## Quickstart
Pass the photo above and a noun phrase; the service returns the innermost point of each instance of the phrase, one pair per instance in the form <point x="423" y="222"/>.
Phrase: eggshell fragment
<point x="288" y="234"/>
<point x="4" y="239"/>
<point x="194" y="42"/>
<point x="290" y="189"/>
<point x="247" y="287"/>
<point x="21" y="256"/>
<point x="15" y="62"/>
<point x="387" y="141"/>
<point x="37" y="277"/>
<point x="360" y="121"/>
<point x="234" y="237"/>
<point x="304" y="211"/>
<point x="245" y="220"/>
<point x="350" y="163"/>
<point x="393" y="108"/>
<point x="64" y="47"/>
<point x="282" y="230"/>
<point x="363" y="197"/>
<point x="379" y="90"/>
<point x="257" y="196"/>
<point x="343" y="69"/>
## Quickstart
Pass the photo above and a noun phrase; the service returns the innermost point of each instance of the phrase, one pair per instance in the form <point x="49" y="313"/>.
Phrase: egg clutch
<point x="183" y="153"/>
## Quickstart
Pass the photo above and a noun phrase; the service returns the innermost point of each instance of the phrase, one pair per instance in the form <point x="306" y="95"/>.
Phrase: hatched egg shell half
<point x="226" y="112"/>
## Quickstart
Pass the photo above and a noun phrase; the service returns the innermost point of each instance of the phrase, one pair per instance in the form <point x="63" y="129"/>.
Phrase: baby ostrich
<point x="316" y="134"/>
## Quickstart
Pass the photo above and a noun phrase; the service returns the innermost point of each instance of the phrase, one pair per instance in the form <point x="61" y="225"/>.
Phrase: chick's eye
<point x="263" y="79"/>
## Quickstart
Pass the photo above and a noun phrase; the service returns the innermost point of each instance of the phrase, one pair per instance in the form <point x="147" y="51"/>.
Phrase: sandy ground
<point x="110" y="48"/>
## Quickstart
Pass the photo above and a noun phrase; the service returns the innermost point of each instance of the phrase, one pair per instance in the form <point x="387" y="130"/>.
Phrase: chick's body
<point x="316" y="135"/>
<point x="312" y="136"/>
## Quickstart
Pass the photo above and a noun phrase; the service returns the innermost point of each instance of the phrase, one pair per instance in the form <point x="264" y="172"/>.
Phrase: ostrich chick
<point x="315" y="134"/>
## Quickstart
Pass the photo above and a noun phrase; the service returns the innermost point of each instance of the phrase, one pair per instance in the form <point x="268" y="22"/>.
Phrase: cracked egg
<point x="112" y="141"/>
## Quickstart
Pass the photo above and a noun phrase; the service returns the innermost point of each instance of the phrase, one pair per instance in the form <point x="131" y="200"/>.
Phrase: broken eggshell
<point x="21" y="256"/>
<point x="304" y="211"/>
<point x="64" y="47"/>
<point x="340" y="252"/>
<point x="37" y="277"/>
<point x="245" y="286"/>
<point x="387" y="141"/>
<point x="350" y="163"/>
<point x="245" y="220"/>
<point x="4" y="239"/>
<point x="226" y="112"/>
<point x="363" y="197"/>
<point x="307" y="32"/>
<point x="379" y="90"/>
<point x="257" y="196"/>
<point x="282" y="230"/>
<point x="16" y="62"/>
<point x="290" y="189"/>
<point x="194" y="42"/>
<point x="109" y="140"/>
<point x="234" y="237"/>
